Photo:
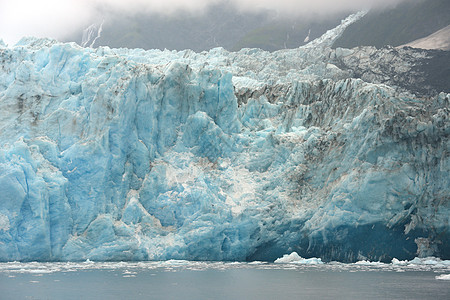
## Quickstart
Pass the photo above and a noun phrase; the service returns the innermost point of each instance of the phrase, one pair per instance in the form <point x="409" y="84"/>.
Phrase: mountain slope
<point x="440" y="40"/>
<point x="285" y="34"/>
<point x="221" y="25"/>
<point x="407" y="22"/>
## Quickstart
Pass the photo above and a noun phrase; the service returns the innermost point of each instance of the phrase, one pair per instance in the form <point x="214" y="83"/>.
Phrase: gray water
<point x="193" y="280"/>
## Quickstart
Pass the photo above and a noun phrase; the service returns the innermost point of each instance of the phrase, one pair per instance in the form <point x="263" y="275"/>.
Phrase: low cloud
<point x="60" y="18"/>
<point x="45" y="18"/>
<point x="314" y="7"/>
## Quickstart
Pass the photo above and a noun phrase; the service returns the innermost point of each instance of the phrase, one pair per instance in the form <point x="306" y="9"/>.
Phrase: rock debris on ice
<point x="119" y="154"/>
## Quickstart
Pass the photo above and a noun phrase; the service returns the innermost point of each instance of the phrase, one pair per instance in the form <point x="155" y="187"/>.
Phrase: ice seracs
<point x="120" y="154"/>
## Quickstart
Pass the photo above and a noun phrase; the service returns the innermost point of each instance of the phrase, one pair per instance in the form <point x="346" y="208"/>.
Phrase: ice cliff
<point x="119" y="154"/>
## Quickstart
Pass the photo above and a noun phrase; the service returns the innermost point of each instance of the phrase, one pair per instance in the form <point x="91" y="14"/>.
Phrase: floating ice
<point x="288" y="258"/>
<point x="294" y="258"/>
<point x="132" y="268"/>
<point x="368" y="263"/>
<point x="399" y="262"/>
<point x="443" y="277"/>
<point x="428" y="261"/>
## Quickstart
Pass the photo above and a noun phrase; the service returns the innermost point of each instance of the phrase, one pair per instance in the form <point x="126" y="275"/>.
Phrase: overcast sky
<point x="58" y="18"/>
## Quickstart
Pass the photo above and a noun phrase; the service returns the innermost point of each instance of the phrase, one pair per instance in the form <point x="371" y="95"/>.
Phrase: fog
<point x="60" y="18"/>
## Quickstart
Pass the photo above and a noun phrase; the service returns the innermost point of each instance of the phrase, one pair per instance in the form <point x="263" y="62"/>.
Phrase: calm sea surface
<point x="199" y="280"/>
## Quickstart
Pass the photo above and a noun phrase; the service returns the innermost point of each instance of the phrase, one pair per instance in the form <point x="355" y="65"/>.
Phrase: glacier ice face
<point x="119" y="154"/>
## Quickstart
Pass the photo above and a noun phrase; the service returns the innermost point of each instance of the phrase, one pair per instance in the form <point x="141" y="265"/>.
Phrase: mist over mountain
<point x="224" y="24"/>
<point x="408" y="21"/>
<point x="221" y="25"/>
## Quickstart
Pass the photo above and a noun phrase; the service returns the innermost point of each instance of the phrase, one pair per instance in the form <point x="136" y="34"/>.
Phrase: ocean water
<point x="218" y="280"/>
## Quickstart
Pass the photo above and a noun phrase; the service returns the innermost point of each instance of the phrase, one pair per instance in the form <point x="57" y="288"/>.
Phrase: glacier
<point x="125" y="154"/>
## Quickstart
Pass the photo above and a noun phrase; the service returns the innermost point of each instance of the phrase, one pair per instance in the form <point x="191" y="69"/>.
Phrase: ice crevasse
<point x="120" y="154"/>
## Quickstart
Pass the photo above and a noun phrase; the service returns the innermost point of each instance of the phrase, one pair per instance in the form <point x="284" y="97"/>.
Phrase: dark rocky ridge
<point x="422" y="72"/>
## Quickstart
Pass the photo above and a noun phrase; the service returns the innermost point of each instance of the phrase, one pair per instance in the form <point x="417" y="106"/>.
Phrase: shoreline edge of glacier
<point x="120" y="154"/>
